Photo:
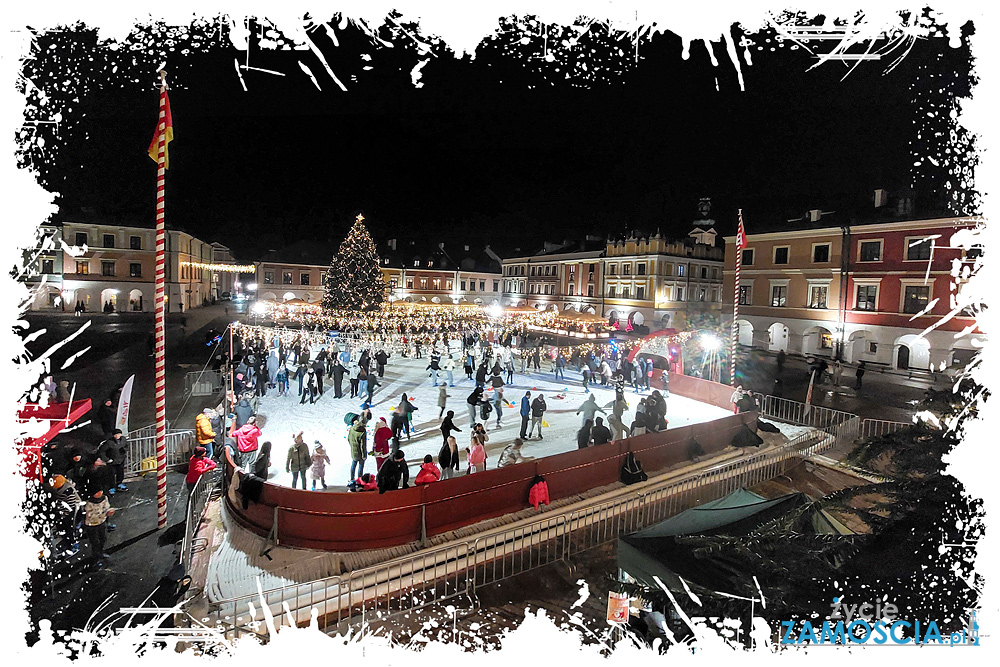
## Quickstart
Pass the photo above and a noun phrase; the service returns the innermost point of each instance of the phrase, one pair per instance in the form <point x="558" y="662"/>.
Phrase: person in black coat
<point x="448" y="425"/>
<point x="394" y="474"/>
<point x="600" y="434"/>
<point x="338" y="378"/>
<point x="319" y="366"/>
<point x="106" y="416"/>
<point x="113" y="452"/>
<point x="381" y="358"/>
<point x="481" y="374"/>
<point x="583" y="436"/>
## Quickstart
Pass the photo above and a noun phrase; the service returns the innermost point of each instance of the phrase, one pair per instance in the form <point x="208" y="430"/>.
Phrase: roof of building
<point x="445" y="255"/>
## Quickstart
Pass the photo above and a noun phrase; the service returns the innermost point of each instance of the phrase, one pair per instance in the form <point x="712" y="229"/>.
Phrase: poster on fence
<point x="617" y="607"/>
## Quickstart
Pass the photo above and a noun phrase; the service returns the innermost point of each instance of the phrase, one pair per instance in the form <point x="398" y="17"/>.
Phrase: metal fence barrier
<point x="413" y="582"/>
<point x="203" y="383"/>
<point x="873" y="428"/>
<point x="794" y="412"/>
<point x="141" y="456"/>
<point x="197" y="502"/>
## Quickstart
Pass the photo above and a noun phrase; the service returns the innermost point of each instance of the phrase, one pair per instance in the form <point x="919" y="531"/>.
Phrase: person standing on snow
<point x="590" y="409"/>
<point x="448" y="366"/>
<point x="298" y="461"/>
<point x="538" y="408"/>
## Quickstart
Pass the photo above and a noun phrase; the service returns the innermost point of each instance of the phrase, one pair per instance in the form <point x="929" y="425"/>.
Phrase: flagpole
<point x="736" y="302"/>
<point x="160" y="321"/>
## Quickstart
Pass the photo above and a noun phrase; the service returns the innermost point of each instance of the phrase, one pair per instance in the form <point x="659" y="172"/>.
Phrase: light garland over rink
<point x="397" y="328"/>
<point x="223" y="268"/>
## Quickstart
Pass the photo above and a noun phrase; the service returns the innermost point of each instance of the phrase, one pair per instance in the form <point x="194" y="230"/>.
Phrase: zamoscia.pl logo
<point x="875" y="624"/>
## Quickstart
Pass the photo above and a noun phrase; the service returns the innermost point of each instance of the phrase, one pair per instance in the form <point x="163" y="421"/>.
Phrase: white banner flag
<point x="809" y="395"/>
<point x="124" y="402"/>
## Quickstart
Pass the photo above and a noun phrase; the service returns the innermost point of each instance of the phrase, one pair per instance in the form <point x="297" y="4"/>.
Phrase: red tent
<point x="57" y="416"/>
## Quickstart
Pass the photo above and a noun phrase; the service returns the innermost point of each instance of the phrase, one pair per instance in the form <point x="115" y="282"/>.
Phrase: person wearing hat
<point x="67" y="505"/>
<point x="97" y="512"/>
<point x="198" y="465"/>
<point x="299" y="460"/>
<point x="394" y="474"/>
<point x="114" y="451"/>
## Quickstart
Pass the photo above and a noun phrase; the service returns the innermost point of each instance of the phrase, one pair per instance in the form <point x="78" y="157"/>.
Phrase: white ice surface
<point x="324" y="420"/>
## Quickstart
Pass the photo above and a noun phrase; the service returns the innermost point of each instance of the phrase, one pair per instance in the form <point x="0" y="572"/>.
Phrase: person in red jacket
<point x="428" y="472"/>
<point x="198" y="466"/>
<point x="382" y="449"/>
<point x="366" y="482"/>
<point x="246" y="442"/>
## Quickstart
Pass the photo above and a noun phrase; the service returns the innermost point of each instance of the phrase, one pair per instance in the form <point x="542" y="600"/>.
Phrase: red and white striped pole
<point x="740" y="243"/>
<point x="160" y="321"/>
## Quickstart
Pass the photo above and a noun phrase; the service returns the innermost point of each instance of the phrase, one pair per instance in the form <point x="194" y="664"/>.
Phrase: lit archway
<point x="818" y="341"/>
<point x="637" y="318"/>
<point x="777" y="337"/>
<point x="135" y="301"/>
<point x="270" y="296"/>
<point x="436" y="299"/>
<point x="109" y="299"/>
<point x="744" y="335"/>
<point x="287" y="296"/>
<point x="911" y="351"/>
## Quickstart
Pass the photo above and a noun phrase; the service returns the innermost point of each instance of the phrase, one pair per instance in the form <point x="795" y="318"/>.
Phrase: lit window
<point x="778" y="295"/>
<point x="746" y="298"/>
<point x="817" y="296"/>
<point x="286" y="278"/>
<point x="915" y="298"/>
<point x="866" y="297"/>
<point x="83" y="268"/>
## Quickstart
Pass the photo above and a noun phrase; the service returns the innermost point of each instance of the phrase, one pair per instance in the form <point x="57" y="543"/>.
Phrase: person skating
<point x="512" y="455"/>
<point x="263" y="461"/>
<point x="448" y="426"/>
<point x="394" y="474"/>
<point x="481" y="374"/>
<point x="525" y="413"/>
<point x="382" y="448"/>
<point x="435" y="365"/>
<point x="198" y="465"/>
<point x="448" y="457"/>
<point x="319" y="369"/>
<point x="538" y="408"/>
<point x="498" y="402"/>
<point x="298" y="460"/>
<point x="476" y="455"/>
<point x="310" y="388"/>
<point x="600" y="434"/>
<point x="338" y="378"/>
<point x="470" y="363"/>
<point x="319" y="460"/>
<point x="357" y="439"/>
<point x="473" y="401"/>
<point x="560" y="367"/>
<point x="428" y="472"/>
<point x="448" y="366"/>
<point x="356" y="382"/>
<point x="509" y="366"/>
<point x="380" y="360"/>
<point x="370" y="386"/>
<point x="442" y="399"/>
<point x="97" y="512"/>
<point x="583" y="436"/>
<point x="406" y="409"/>
<point x="397" y="422"/>
<point x="589" y="408"/>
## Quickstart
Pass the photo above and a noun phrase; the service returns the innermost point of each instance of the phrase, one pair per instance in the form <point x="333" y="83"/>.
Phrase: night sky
<point x="505" y="141"/>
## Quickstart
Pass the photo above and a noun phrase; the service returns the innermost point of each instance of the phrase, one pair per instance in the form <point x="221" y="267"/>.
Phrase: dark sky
<point x="500" y="144"/>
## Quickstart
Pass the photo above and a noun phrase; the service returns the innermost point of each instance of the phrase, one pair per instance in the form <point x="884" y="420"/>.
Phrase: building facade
<point x="643" y="281"/>
<point x="113" y="267"/>
<point x="883" y="293"/>
<point x="284" y="281"/>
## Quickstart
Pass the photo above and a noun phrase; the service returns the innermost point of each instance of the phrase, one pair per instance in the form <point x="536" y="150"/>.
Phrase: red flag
<point x="741" y="235"/>
<point x="168" y="132"/>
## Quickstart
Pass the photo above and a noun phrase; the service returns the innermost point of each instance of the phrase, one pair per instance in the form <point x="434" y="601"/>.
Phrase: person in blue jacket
<point x="525" y="413"/>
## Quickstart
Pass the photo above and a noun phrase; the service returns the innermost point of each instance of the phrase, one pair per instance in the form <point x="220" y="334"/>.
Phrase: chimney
<point x="814" y="215"/>
<point x="881" y="198"/>
<point x="392" y="244"/>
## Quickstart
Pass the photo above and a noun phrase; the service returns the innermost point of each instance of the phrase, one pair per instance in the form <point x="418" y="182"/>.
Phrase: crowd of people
<point x="281" y="363"/>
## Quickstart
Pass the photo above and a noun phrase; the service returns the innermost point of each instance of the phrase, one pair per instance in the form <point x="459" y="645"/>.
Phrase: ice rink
<point x="324" y="420"/>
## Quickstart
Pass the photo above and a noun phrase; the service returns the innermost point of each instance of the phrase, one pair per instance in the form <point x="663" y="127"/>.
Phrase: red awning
<point x="57" y="416"/>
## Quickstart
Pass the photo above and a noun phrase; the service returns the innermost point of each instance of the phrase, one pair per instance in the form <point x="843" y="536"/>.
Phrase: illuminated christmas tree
<point x="354" y="281"/>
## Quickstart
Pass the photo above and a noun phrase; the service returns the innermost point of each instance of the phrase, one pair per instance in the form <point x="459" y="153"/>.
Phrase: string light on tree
<point x="354" y="281"/>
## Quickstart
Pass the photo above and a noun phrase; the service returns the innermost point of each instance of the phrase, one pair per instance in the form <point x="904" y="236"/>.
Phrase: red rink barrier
<point x="367" y="520"/>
